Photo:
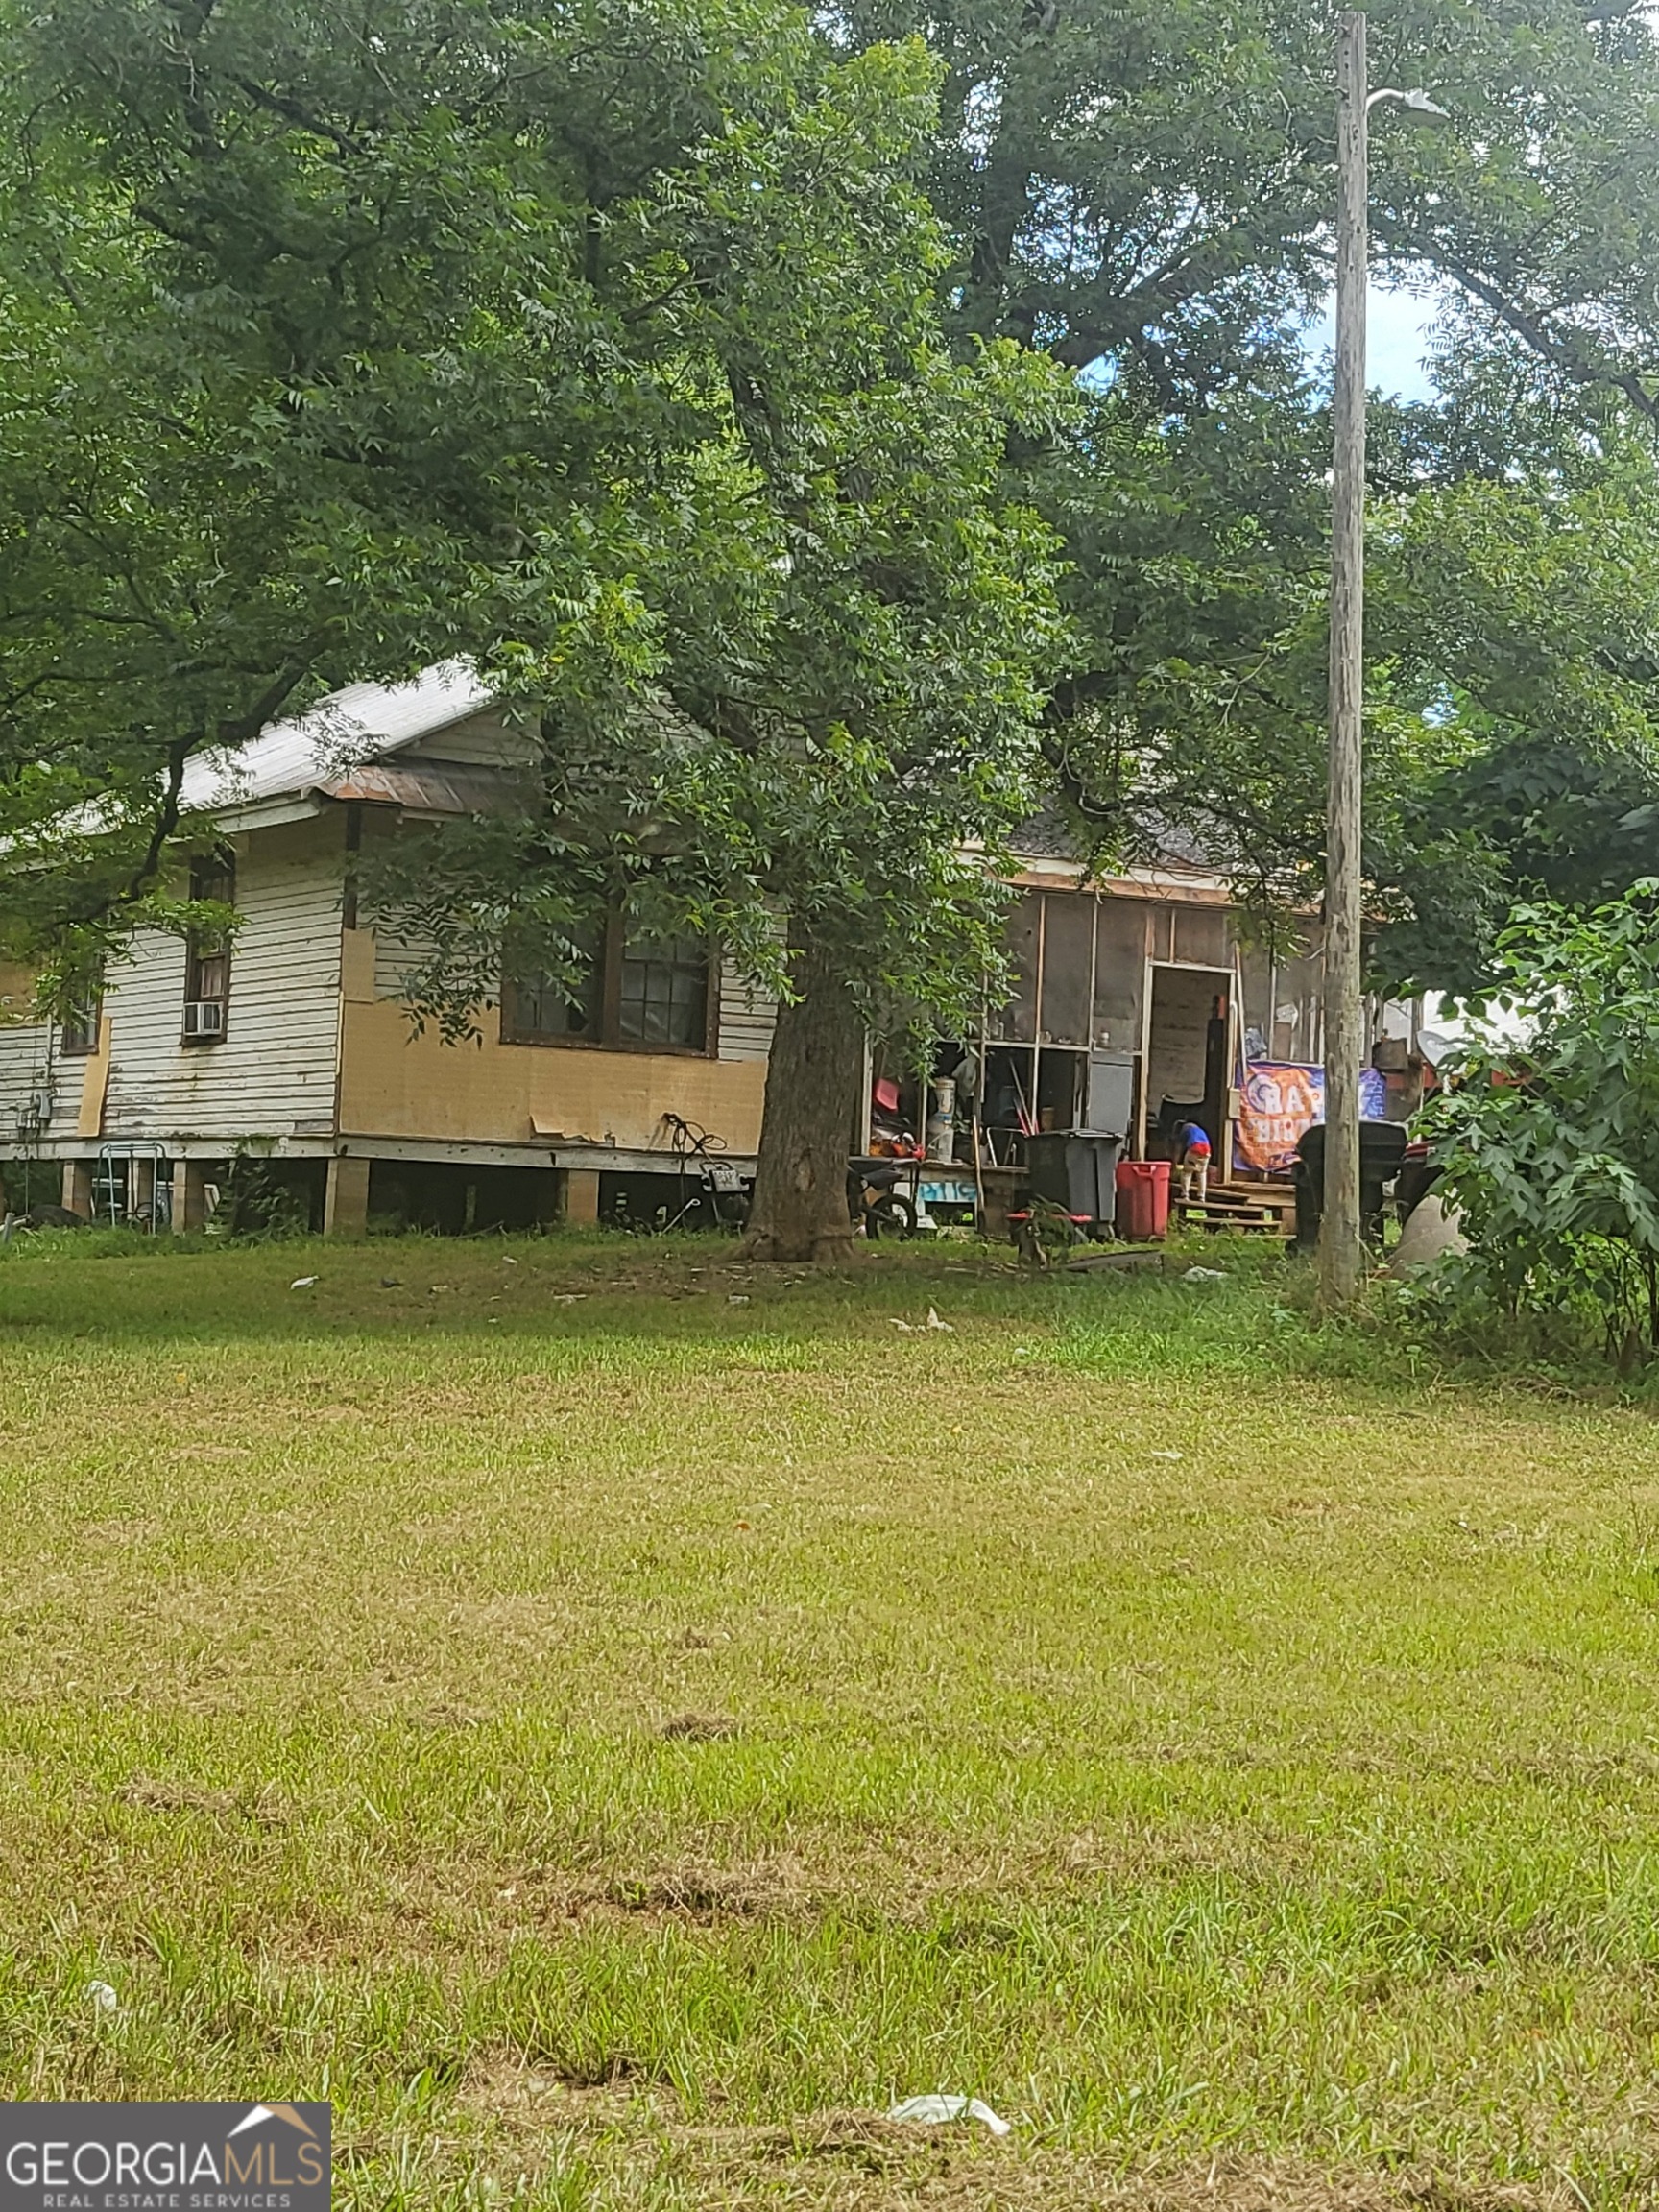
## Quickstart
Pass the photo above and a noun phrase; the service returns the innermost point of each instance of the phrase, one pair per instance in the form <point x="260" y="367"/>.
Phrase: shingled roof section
<point x="1157" y="844"/>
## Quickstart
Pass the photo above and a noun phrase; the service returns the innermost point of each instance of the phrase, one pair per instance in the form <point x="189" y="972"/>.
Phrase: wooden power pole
<point x="1341" y="1251"/>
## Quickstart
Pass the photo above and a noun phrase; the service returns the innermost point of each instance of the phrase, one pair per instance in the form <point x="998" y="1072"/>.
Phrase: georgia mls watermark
<point x="165" y="2157"/>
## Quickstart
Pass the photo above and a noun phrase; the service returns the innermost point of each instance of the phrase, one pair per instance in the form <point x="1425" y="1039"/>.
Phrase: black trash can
<point x="1077" y="1169"/>
<point x="1381" y="1150"/>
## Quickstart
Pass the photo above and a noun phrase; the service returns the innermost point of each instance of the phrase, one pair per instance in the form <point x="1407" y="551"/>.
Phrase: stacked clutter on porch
<point x="1142" y="1013"/>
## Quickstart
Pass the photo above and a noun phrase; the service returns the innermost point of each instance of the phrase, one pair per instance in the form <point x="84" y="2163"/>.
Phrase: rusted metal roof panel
<point x="427" y="787"/>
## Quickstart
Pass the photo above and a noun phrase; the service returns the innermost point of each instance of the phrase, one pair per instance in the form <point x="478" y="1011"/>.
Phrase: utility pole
<point x="1341" y="1252"/>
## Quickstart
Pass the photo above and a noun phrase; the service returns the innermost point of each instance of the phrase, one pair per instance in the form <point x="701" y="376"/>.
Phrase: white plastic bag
<point x="938" y="2109"/>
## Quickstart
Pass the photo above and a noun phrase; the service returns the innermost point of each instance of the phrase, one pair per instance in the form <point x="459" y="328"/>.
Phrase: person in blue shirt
<point x="1191" y="1157"/>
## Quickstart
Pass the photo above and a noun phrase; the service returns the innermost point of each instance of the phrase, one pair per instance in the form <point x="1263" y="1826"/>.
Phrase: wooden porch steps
<point x="1268" y="1208"/>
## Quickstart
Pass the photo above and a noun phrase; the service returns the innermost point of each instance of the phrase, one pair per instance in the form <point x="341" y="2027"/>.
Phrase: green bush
<point x="1551" y="1143"/>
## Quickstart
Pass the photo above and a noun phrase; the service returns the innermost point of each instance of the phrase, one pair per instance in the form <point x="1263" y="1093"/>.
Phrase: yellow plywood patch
<point x="357" y="963"/>
<point x="95" y="1083"/>
<point x="487" y="1093"/>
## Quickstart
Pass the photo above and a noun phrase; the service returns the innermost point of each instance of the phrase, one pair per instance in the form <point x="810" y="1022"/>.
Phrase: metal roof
<point x="363" y="722"/>
<point x="426" y="786"/>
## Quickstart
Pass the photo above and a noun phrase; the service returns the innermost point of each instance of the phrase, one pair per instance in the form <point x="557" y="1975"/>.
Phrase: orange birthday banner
<point x="1278" y="1101"/>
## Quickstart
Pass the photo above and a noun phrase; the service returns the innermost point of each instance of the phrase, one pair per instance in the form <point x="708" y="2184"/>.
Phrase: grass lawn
<point x="613" y="1721"/>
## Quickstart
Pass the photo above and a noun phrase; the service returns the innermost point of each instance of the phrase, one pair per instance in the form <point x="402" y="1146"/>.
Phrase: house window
<point x="208" y="956"/>
<point x="81" y="1021"/>
<point x="663" y="997"/>
<point x="538" y="1010"/>
<point x="636" y="993"/>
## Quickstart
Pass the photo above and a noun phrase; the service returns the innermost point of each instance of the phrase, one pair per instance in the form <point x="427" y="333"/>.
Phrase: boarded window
<point x="1120" y="971"/>
<point x="1201" y="937"/>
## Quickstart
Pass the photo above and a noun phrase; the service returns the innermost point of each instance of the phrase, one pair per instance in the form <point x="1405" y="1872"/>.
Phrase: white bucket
<point x="942" y="1119"/>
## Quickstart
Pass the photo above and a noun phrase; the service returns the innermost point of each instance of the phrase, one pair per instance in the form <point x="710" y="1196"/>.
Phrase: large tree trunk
<point x="817" y="1062"/>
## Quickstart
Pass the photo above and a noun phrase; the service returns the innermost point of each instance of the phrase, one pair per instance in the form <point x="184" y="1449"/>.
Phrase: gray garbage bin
<point x="1076" y="1168"/>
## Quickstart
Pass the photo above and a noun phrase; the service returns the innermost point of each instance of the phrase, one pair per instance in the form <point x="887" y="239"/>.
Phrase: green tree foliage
<point x="1516" y="615"/>
<point x="1146" y="192"/>
<point x="301" y="387"/>
<point x="1550" y="1147"/>
<point x="1515" y="818"/>
<point x="1148" y="189"/>
<point x="335" y="348"/>
<point x="601" y="346"/>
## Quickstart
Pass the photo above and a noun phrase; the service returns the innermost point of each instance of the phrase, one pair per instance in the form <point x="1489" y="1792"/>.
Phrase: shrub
<point x="1551" y="1143"/>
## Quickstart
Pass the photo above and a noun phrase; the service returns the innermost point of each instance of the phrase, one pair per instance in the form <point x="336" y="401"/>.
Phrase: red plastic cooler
<point x="1143" y="1199"/>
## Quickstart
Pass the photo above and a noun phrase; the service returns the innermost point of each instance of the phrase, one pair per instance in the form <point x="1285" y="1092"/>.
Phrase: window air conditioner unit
<point x="203" y="1018"/>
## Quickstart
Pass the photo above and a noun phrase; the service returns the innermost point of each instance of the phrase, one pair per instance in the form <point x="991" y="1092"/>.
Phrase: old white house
<point x="293" y="1046"/>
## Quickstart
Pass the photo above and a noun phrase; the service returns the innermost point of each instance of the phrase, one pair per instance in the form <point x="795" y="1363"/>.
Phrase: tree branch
<point x="166" y="820"/>
<point x="291" y="111"/>
<point x="1571" y="353"/>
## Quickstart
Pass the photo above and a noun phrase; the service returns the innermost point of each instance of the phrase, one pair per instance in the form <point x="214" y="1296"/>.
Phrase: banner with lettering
<point x="1278" y="1101"/>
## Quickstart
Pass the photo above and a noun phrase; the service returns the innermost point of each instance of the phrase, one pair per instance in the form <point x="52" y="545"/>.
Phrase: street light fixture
<point x="1341" y="1252"/>
<point x="1416" y="104"/>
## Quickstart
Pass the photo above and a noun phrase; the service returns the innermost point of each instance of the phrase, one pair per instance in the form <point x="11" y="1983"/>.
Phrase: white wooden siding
<point x="31" y="1069"/>
<point x="274" y="1076"/>
<point x="483" y="740"/>
<point x="395" y="957"/>
<point x="748" y="1018"/>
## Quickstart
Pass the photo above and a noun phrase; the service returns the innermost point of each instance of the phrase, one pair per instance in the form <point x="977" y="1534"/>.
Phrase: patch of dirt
<point x="1241" y="2187"/>
<point x="698" y="1728"/>
<point x="528" y="2093"/>
<point x="688" y="1891"/>
<point x="864" y="2141"/>
<point x="859" y="2162"/>
<point x="1275" y="2191"/>
<point x="153" y="1794"/>
<point x="773" y="1887"/>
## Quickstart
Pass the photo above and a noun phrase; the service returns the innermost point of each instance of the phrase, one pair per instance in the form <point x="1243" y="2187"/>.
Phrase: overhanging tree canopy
<point x="600" y="346"/>
<point x="1146" y="193"/>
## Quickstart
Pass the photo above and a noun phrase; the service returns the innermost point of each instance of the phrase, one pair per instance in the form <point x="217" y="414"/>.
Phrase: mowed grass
<point x="614" y="1721"/>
